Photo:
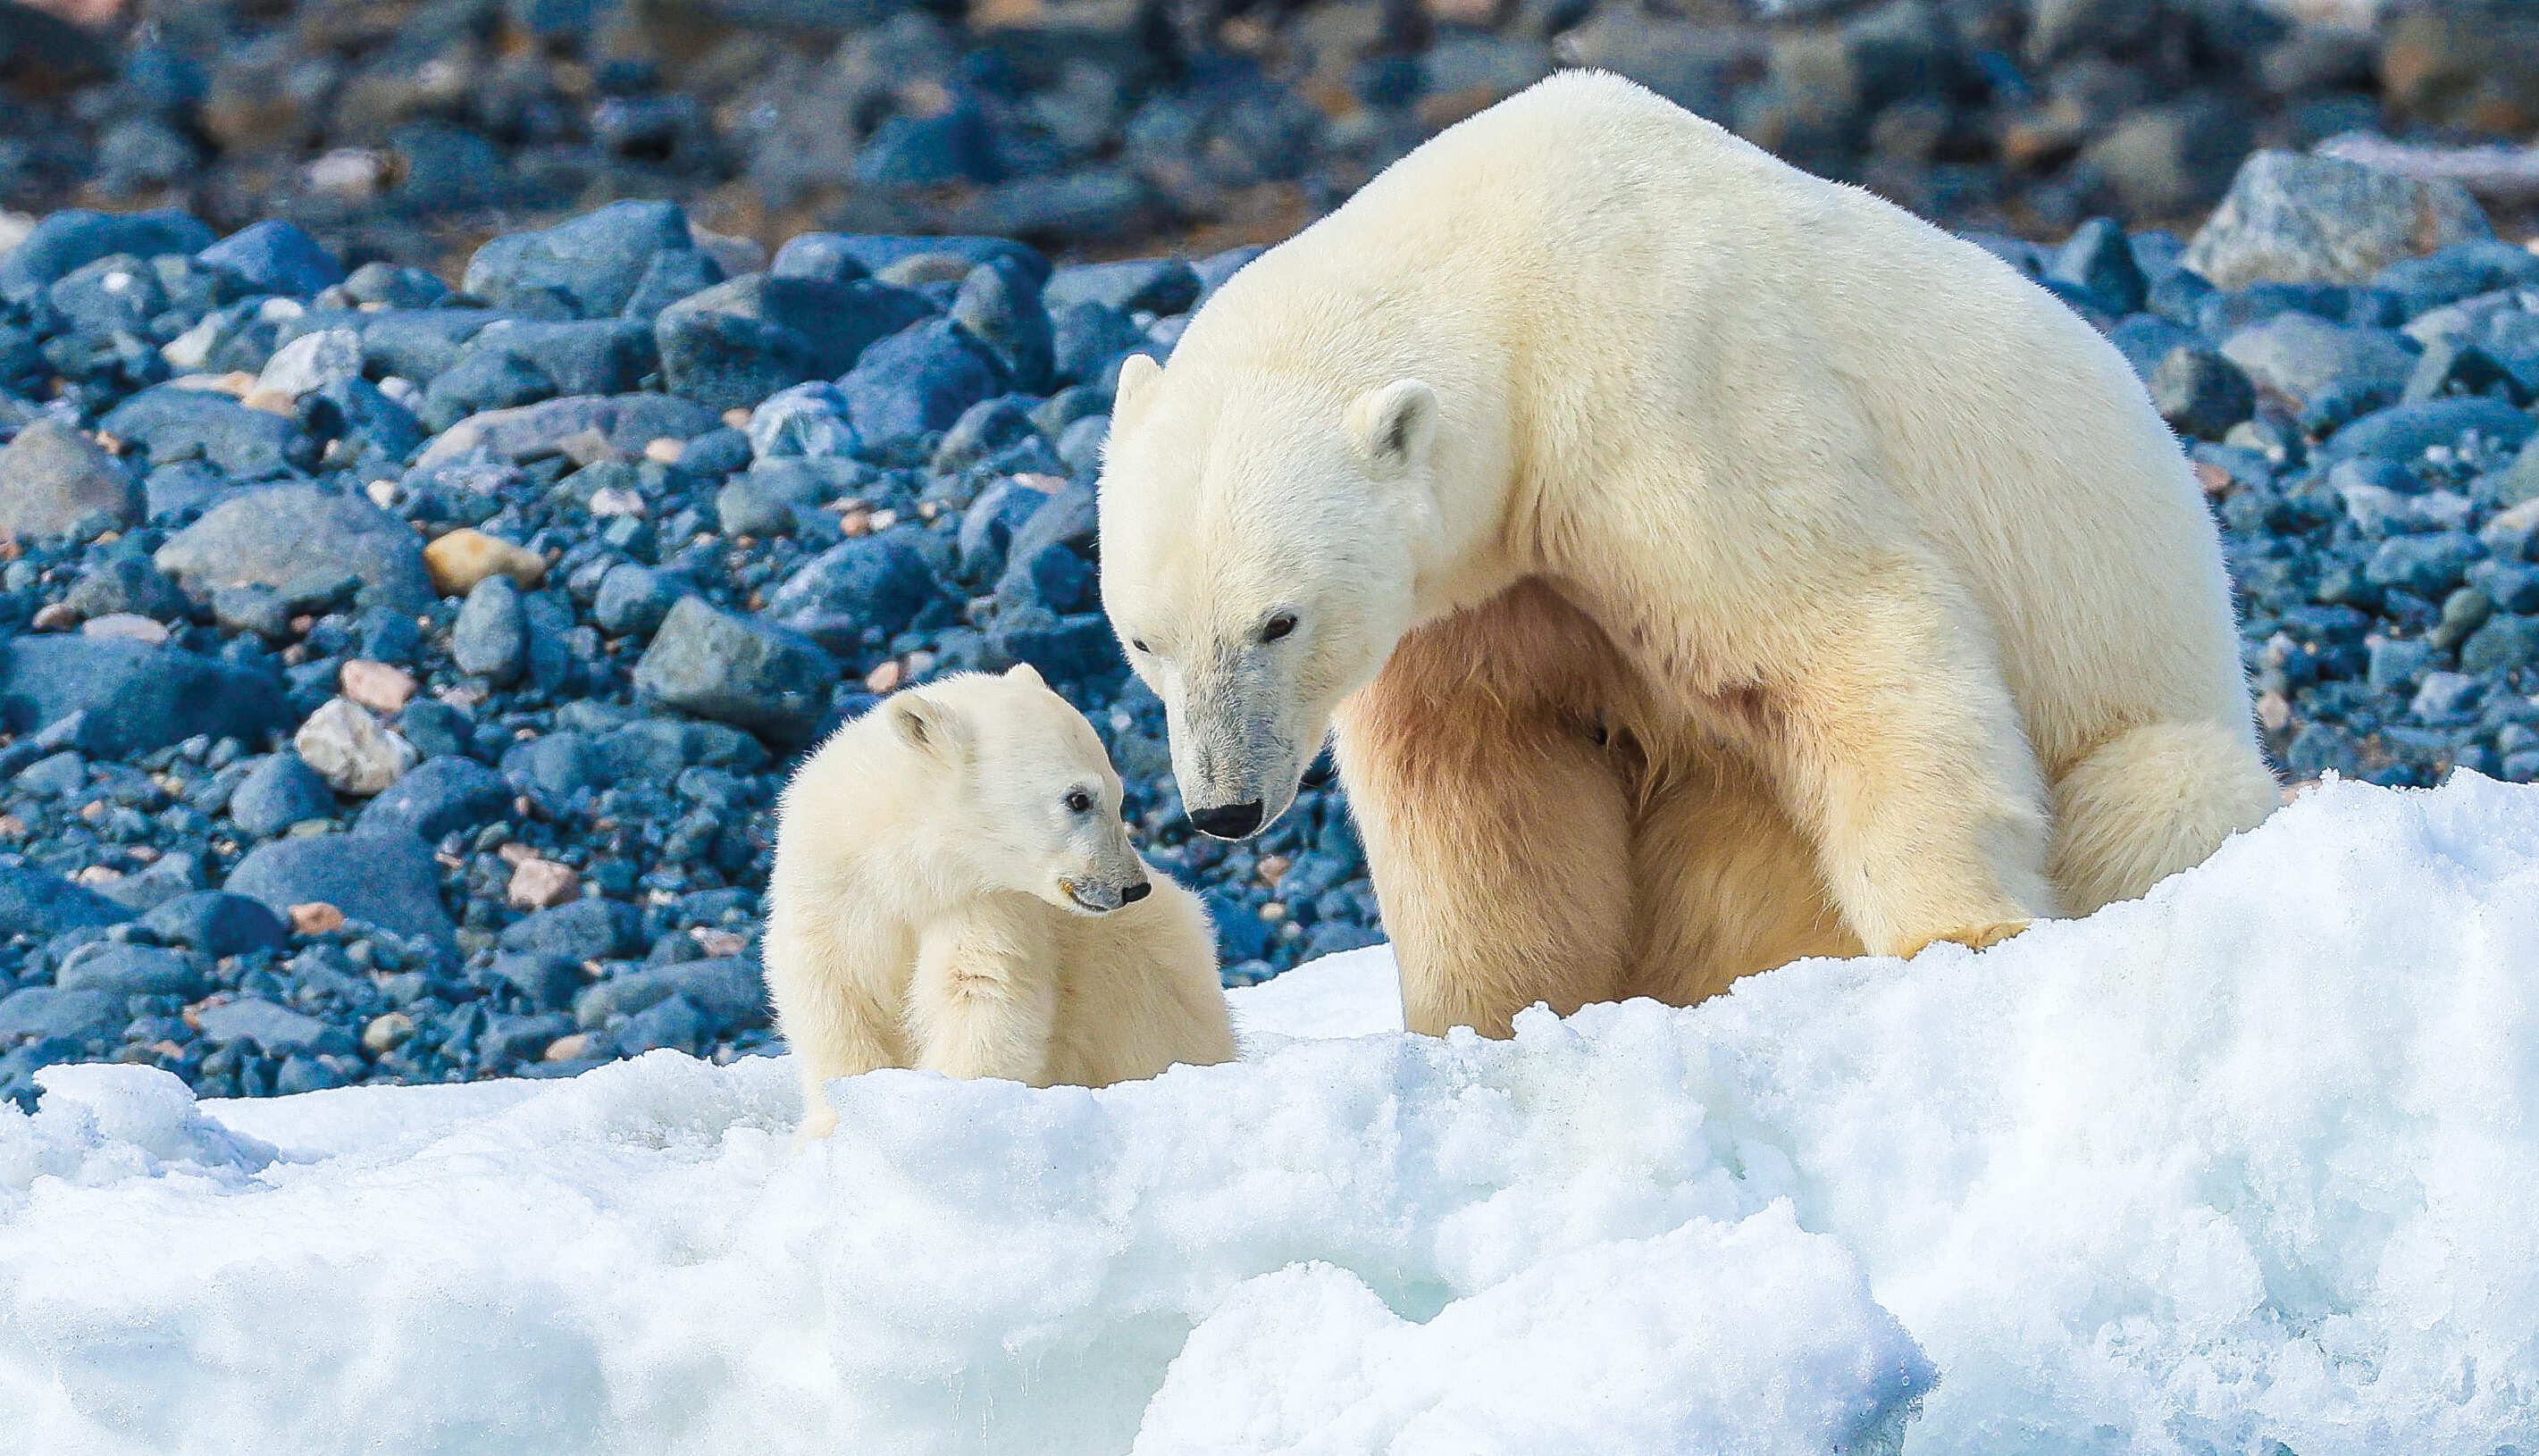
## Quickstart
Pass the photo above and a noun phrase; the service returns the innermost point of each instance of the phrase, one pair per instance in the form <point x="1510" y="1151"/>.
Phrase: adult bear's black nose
<point x="1135" y="892"/>
<point x="1227" y="820"/>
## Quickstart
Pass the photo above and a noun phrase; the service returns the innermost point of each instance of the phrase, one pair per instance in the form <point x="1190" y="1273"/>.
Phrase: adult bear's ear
<point x="1136" y="373"/>
<point x="1393" y="425"/>
<point x="926" y="726"/>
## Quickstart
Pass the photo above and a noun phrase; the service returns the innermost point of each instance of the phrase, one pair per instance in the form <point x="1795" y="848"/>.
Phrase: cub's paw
<point x="1974" y="936"/>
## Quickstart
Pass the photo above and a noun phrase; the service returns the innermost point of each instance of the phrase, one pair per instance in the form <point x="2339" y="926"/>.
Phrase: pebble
<point x="344" y="743"/>
<point x="462" y="559"/>
<point x="542" y="884"/>
<point x="377" y="686"/>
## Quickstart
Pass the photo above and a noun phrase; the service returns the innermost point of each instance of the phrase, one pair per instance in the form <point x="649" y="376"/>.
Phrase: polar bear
<point x="954" y="890"/>
<point x="1704" y="564"/>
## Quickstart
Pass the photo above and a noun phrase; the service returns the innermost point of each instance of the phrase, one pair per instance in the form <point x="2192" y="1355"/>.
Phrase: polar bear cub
<point x="954" y="890"/>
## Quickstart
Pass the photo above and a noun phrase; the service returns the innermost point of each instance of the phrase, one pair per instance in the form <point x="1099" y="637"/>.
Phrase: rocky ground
<point x="407" y="131"/>
<point x="399" y="669"/>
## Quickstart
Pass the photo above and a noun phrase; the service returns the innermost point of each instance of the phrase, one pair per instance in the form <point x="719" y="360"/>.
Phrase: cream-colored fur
<point x="1704" y="564"/>
<point x="933" y="895"/>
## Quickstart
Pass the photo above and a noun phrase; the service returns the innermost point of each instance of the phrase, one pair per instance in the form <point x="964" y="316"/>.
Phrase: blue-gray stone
<point x="732" y="345"/>
<point x="1071" y="649"/>
<point x="218" y="924"/>
<point x="2404" y="432"/>
<point x="120" y="969"/>
<point x="136" y="697"/>
<point x="873" y="583"/>
<point x="389" y="881"/>
<point x="173" y="423"/>
<point x="2096" y="259"/>
<point x="1087" y="340"/>
<point x="1001" y="307"/>
<point x="752" y="675"/>
<point x="275" y="257"/>
<point x="842" y="256"/>
<point x="41" y="904"/>
<point x="548" y="982"/>
<point x="918" y="381"/>
<point x="583" y="931"/>
<point x="279" y="792"/>
<point x="806" y="419"/>
<point x="437" y="796"/>
<point x="74" y="238"/>
<point x="2429" y="566"/>
<point x="2506" y="640"/>
<point x="727" y="991"/>
<point x="285" y="537"/>
<point x="632" y="599"/>
<point x="52" y="477"/>
<point x="490" y="639"/>
<point x="37" y="1011"/>
<point x="596" y="260"/>
<point x="272" y="1027"/>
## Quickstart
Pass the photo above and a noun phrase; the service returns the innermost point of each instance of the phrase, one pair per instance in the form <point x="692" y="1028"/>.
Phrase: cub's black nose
<point x="1227" y="820"/>
<point x="1135" y="892"/>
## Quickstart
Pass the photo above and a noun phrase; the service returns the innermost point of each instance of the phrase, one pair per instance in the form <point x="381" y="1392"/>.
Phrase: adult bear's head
<point x="1263" y="535"/>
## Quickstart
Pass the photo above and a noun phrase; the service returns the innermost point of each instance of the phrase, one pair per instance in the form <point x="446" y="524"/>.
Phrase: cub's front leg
<point x="984" y="999"/>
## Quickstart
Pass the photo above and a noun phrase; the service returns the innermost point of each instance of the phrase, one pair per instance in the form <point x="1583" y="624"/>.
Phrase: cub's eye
<point x="1278" y="626"/>
<point x="1081" y="801"/>
<point x="1137" y="644"/>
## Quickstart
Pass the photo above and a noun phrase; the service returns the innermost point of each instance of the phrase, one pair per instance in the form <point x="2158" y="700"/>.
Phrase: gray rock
<point x="119" y="969"/>
<point x="2200" y="393"/>
<point x="285" y="537"/>
<point x="2404" y="432"/>
<point x="627" y="422"/>
<point x="272" y="1027"/>
<point x="878" y="582"/>
<point x="173" y="423"/>
<point x="728" y="991"/>
<point x="165" y="878"/>
<point x="734" y="344"/>
<point x="548" y="982"/>
<point x="387" y="880"/>
<point x="2298" y="355"/>
<point x="586" y="930"/>
<point x="632" y="599"/>
<point x="119" y="582"/>
<point x="74" y="238"/>
<point x="41" y="904"/>
<point x="2294" y="219"/>
<point x="218" y="924"/>
<point x="52" y="477"/>
<point x="734" y="669"/>
<point x="596" y="259"/>
<point x="2506" y="640"/>
<point x="438" y="796"/>
<point x="39" y="1012"/>
<point x="491" y="637"/>
<point x="279" y="792"/>
<point x="133" y="696"/>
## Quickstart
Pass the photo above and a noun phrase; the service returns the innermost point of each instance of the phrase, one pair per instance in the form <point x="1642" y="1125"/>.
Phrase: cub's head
<point x="1261" y="538"/>
<point x="1030" y="800"/>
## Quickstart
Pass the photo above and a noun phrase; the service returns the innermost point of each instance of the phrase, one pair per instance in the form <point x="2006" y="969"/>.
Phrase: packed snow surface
<point x="2250" y="1167"/>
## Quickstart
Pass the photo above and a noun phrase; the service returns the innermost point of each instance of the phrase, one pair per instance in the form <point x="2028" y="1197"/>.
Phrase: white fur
<point x="1874" y="540"/>
<point x="924" y="908"/>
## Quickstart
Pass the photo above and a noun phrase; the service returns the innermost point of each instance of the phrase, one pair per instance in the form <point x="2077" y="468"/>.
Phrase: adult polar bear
<point x="1704" y="564"/>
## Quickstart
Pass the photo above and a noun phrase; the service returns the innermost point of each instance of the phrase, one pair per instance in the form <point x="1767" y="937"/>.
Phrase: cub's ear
<point x="1025" y="673"/>
<point x="1137" y="373"/>
<point x="1393" y="425"/>
<point x="929" y="727"/>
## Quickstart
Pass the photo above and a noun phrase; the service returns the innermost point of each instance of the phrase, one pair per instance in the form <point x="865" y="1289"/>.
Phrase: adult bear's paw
<point x="1974" y="937"/>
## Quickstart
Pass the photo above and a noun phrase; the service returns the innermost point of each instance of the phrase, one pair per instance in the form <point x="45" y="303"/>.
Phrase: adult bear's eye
<point x="1278" y="626"/>
<point x="1081" y="801"/>
<point x="1137" y="644"/>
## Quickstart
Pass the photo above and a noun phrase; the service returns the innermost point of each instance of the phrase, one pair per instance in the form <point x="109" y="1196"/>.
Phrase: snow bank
<point x="2250" y="1167"/>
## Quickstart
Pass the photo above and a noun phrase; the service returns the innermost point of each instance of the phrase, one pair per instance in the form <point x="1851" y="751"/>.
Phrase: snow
<point x="2250" y="1167"/>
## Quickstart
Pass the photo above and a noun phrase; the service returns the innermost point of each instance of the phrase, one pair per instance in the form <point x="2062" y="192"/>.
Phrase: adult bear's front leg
<point x="1494" y="823"/>
<point x="1909" y="765"/>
